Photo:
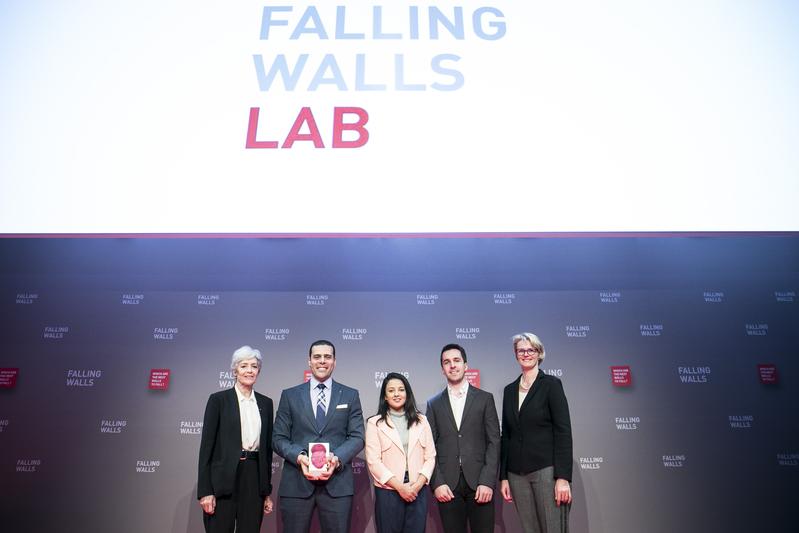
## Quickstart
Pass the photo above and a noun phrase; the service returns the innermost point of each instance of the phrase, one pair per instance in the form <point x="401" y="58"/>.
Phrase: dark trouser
<point x="395" y="515"/>
<point x="242" y="511"/>
<point x="334" y="513"/>
<point x="456" y="512"/>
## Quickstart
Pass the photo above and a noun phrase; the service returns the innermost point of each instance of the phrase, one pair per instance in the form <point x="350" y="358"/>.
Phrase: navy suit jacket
<point x="295" y="427"/>
<point x="220" y="445"/>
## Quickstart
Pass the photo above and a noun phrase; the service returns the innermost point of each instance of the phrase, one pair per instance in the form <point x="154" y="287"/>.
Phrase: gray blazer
<point x="475" y="448"/>
<point x="295" y="427"/>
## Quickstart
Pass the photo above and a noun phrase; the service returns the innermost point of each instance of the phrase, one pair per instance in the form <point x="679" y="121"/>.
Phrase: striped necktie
<point x="320" y="407"/>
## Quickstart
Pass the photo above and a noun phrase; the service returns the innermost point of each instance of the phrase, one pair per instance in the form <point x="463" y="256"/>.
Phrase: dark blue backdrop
<point x="666" y="454"/>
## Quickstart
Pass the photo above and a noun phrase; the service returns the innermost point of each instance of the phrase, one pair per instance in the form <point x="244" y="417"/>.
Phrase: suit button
<point x="459" y="435"/>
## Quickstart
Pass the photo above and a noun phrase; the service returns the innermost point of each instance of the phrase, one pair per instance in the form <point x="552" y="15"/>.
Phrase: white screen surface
<point x="514" y="117"/>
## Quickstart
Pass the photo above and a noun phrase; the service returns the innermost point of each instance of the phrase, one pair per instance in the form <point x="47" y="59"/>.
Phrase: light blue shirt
<point x="315" y="392"/>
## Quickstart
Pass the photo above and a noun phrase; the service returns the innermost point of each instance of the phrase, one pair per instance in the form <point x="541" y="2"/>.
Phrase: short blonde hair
<point x="533" y="339"/>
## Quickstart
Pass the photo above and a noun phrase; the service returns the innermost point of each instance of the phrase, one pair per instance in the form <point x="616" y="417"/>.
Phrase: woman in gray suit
<point x="536" y="444"/>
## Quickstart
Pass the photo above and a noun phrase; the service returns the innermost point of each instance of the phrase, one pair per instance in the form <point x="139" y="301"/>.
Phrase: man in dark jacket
<point x="466" y="432"/>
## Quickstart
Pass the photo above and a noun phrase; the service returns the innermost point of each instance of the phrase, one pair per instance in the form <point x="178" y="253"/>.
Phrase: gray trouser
<point x="534" y="498"/>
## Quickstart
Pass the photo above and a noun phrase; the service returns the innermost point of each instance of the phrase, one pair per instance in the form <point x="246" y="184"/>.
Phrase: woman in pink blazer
<point x="401" y="456"/>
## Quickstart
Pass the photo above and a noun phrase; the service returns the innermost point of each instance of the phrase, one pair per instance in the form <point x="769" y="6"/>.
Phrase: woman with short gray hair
<point x="234" y="479"/>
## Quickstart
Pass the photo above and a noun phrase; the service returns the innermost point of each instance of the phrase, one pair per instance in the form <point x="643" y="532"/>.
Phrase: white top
<point x="457" y="399"/>
<point x="522" y="396"/>
<point x="250" y="421"/>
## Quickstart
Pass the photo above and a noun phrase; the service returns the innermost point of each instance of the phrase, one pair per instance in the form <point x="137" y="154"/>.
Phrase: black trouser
<point x="463" y="507"/>
<point x="242" y="511"/>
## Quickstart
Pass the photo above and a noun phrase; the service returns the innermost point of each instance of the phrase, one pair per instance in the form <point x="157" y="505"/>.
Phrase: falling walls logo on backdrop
<point x="354" y="63"/>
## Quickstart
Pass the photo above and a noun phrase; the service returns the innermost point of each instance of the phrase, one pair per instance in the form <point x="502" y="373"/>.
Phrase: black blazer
<point x="475" y="446"/>
<point x="220" y="445"/>
<point x="539" y="434"/>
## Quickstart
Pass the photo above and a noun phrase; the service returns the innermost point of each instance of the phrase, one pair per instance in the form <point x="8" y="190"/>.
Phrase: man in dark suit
<point x="466" y="432"/>
<point x="320" y="410"/>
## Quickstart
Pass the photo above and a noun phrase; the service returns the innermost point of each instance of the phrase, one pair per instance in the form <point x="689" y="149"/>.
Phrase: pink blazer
<point x="385" y="455"/>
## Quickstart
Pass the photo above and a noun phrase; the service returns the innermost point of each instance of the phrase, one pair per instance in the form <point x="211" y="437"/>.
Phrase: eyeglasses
<point x="528" y="351"/>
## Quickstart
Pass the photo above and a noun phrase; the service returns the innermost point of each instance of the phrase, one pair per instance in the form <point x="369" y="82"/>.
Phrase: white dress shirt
<point x="457" y="399"/>
<point x="250" y="421"/>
